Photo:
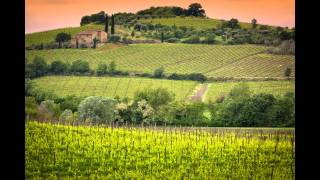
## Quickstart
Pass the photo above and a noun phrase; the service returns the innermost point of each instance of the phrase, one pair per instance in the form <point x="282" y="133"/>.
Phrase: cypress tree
<point x="162" y="37"/>
<point x="106" y="27"/>
<point x="112" y="24"/>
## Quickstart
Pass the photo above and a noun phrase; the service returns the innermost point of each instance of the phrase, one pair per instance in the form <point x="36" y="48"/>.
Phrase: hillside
<point x="241" y="61"/>
<point x="49" y="36"/>
<point x="197" y="23"/>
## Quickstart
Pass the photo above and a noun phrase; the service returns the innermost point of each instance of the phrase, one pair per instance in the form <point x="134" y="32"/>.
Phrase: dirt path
<point x="199" y="93"/>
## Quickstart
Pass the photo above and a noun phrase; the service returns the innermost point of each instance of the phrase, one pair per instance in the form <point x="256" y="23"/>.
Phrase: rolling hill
<point x="214" y="61"/>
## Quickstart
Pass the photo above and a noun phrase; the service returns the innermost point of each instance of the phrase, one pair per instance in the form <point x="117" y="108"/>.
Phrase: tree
<point x="80" y="66"/>
<point x="132" y="34"/>
<point x="102" y="69"/>
<point x="95" y="41"/>
<point x="162" y="37"/>
<point x="49" y="110"/>
<point x="30" y="107"/>
<point x="233" y="23"/>
<point x="195" y="9"/>
<point x="106" y="26"/>
<point x="38" y="67"/>
<point x="62" y="37"/>
<point x="97" y="109"/>
<point x="155" y="97"/>
<point x="254" y="23"/>
<point x="112" y="24"/>
<point x="112" y="67"/>
<point x="159" y="72"/>
<point x="66" y="116"/>
<point x="58" y="67"/>
<point x="85" y="20"/>
<point x="287" y="72"/>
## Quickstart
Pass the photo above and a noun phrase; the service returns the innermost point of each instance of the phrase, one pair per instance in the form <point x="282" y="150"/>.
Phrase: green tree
<point x="95" y="41"/>
<point x="49" y="110"/>
<point x="195" y="9"/>
<point x="162" y="37"/>
<point x="254" y="23"/>
<point x="240" y="90"/>
<point x="106" y="26"/>
<point x="80" y="66"/>
<point x="38" y="67"/>
<point x="287" y="72"/>
<point x="132" y="34"/>
<point x="30" y="107"/>
<point x="155" y="97"/>
<point x="112" y="67"/>
<point x="159" y="72"/>
<point x="62" y="37"/>
<point x="58" y="67"/>
<point x="102" y="69"/>
<point x="112" y="24"/>
<point x="233" y="23"/>
<point x="66" y="116"/>
<point x="97" y="110"/>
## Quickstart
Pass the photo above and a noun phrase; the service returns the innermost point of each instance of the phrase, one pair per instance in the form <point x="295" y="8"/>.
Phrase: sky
<point x="41" y="15"/>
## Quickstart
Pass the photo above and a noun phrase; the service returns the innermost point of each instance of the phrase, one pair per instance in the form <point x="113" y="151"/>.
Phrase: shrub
<point x="156" y="97"/>
<point x="66" y="116"/>
<point x="30" y="107"/>
<point x="192" y="40"/>
<point x="49" y="110"/>
<point x="114" y="38"/>
<point x="197" y="77"/>
<point x="172" y="40"/>
<point x="159" y="72"/>
<point x="97" y="109"/>
<point x="80" y="66"/>
<point x="209" y="40"/>
<point x="58" y="67"/>
<point x="102" y="69"/>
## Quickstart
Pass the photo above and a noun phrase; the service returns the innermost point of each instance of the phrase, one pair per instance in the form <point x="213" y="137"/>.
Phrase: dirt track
<point x="200" y="92"/>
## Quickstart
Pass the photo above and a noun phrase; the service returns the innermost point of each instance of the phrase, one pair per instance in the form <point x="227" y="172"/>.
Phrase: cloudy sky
<point x="43" y="15"/>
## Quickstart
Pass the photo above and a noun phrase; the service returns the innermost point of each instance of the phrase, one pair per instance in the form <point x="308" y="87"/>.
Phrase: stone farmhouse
<point x="86" y="39"/>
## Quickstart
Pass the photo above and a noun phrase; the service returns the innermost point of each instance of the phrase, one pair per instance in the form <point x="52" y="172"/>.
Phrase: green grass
<point x="111" y="86"/>
<point x="85" y="152"/>
<point x="197" y="23"/>
<point x="211" y="60"/>
<point x="276" y="88"/>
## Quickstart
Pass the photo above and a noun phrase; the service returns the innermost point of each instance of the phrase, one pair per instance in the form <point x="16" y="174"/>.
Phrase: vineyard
<point x="197" y="23"/>
<point x="111" y="86"/>
<point x="213" y="61"/>
<point x="276" y="88"/>
<point x="60" y="151"/>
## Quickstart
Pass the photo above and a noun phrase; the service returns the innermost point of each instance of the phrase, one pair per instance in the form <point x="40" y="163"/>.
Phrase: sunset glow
<point x="51" y="14"/>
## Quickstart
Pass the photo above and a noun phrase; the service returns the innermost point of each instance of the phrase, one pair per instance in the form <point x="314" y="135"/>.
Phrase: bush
<point x="69" y="102"/>
<point x="172" y="40"/>
<point x="102" y="69"/>
<point x="159" y="72"/>
<point x="80" y="66"/>
<point x="286" y="47"/>
<point x="156" y="97"/>
<point x="192" y="40"/>
<point x="49" y="110"/>
<point x="97" y="109"/>
<point x="30" y="107"/>
<point x="58" y="67"/>
<point x="209" y="40"/>
<point x="197" y="77"/>
<point x="66" y="116"/>
<point x="114" y="38"/>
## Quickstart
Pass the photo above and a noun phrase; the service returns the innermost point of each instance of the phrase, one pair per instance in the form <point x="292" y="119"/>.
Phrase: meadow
<point x="111" y="86"/>
<point x="241" y="61"/>
<point x="95" y="152"/>
<point x="277" y="88"/>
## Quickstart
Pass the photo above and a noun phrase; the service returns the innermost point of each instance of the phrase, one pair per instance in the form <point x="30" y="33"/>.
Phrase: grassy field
<point x="111" y="86"/>
<point x="211" y="60"/>
<point x="273" y="87"/>
<point x="60" y="151"/>
<point x="197" y="23"/>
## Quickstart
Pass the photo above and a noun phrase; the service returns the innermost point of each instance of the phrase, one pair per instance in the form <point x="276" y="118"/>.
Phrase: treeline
<point x="194" y="9"/>
<point x="240" y="108"/>
<point x="39" y="67"/>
